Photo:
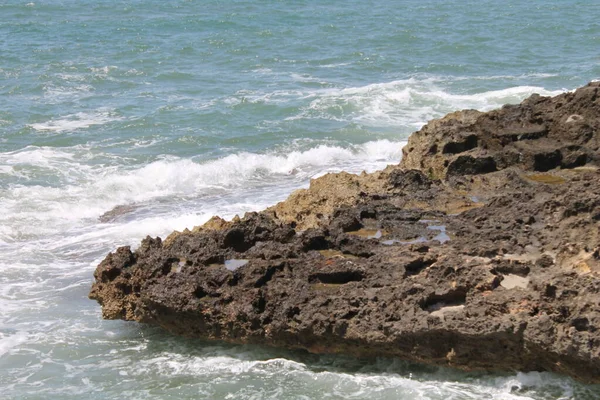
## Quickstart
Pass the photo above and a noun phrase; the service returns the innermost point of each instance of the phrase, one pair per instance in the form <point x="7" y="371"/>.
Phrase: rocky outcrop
<point x="540" y="134"/>
<point x="481" y="250"/>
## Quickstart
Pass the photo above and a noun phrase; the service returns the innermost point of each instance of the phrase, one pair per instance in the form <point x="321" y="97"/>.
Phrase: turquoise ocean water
<point x="186" y="109"/>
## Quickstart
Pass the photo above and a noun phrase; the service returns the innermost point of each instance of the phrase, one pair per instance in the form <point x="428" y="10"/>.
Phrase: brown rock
<point x="480" y="251"/>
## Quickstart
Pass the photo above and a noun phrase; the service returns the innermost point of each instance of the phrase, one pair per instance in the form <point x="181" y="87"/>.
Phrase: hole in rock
<point x="514" y="267"/>
<point x="200" y="293"/>
<point x="368" y="214"/>
<point x="546" y="161"/>
<point x="468" y="165"/>
<point x="236" y="240"/>
<point x="111" y="274"/>
<point x="550" y="291"/>
<point x="469" y="143"/>
<point x="268" y="275"/>
<point x="416" y="266"/>
<point x="337" y="277"/>
<point x="436" y="301"/>
<point x="126" y="289"/>
<point x="260" y="304"/>
<point x="314" y="242"/>
<point x="581" y="324"/>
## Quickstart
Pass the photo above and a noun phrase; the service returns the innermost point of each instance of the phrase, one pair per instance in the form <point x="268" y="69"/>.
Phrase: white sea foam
<point x="10" y="341"/>
<point x="263" y="71"/>
<point x="183" y="176"/>
<point x="134" y="72"/>
<point x="486" y="100"/>
<point x="335" y="65"/>
<point x="408" y="103"/>
<point x="72" y="77"/>
<point x="74" y="122"/>
<point x="253" y="97"/>
<point x="503" y="77"/>
<point x="84" y="192"/>
<point x="103" y="71"/>
<point x="270" y="376"/>
<point x="305" y="78"/>
<point x="39" y="156"/>
<point x="59" y="93"/>
<point x="170" y="364"/>
<point x="6" y="169"/>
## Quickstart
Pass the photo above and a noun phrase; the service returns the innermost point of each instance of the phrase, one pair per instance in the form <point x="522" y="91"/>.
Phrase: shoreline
<point x="478" y="251"/>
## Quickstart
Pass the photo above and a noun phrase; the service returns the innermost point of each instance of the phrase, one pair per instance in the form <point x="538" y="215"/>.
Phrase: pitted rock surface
<point x="481" y="250"/>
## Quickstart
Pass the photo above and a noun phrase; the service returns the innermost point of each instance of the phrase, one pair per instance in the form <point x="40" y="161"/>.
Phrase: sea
<point x="179" y="110"/>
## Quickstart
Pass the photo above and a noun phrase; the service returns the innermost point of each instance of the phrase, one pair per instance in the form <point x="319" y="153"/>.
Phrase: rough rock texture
<point x="481" y="250"/>
<point x="540" y="134"/>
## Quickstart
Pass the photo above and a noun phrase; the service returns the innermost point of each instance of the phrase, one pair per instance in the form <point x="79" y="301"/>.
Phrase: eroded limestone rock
<point x="480" y="251"/>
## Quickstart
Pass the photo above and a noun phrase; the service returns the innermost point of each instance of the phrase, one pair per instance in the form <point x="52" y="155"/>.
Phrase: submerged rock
<point x="481" y="250"/>
<point x="117" y="213"/>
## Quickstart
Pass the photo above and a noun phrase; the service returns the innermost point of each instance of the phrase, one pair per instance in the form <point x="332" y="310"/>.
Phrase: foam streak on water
<point x="168" y="113"/>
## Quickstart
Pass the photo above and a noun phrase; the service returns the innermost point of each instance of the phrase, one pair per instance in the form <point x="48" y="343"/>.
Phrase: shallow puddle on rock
<point x="443" y="310"/>
<point x="420" y="239"/>
<point x="586" y="168"/>
<point x="177" y="267"/>
<point x="335" y="253"/>
<point x="442" y="236"/>
<point x="546" y="178"/>
<point x="531" y="255"/>
<point x="512" y="281"/>
<point x="235" y="263"/>
<point x="324" y="287"/>
<point x="368" y="233"/>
